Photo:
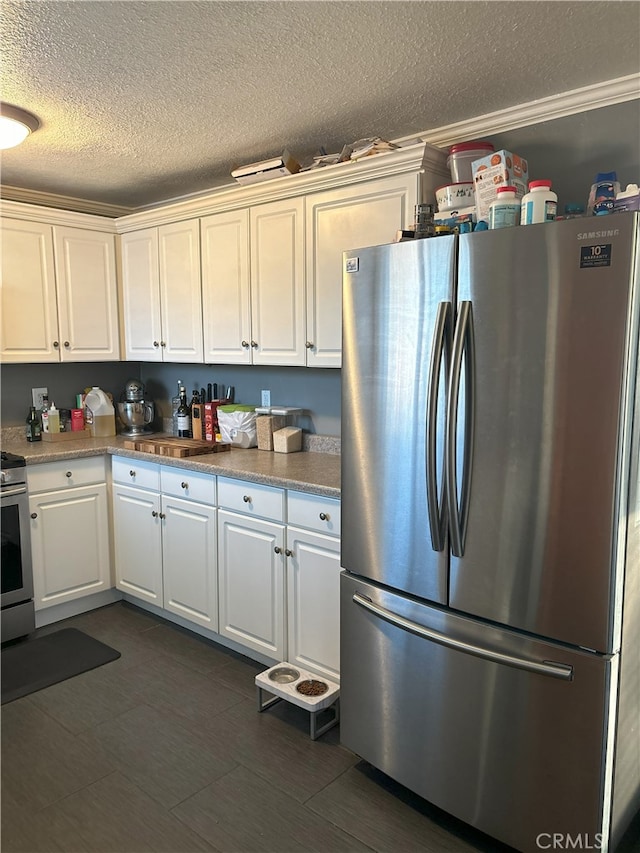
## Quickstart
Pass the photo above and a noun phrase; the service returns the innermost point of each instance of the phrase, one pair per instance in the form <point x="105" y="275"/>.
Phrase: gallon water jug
<point x="100" y="415"/>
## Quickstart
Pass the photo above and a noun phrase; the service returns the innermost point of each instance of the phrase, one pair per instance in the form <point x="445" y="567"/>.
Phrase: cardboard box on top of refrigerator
<point x="500" y="169"/>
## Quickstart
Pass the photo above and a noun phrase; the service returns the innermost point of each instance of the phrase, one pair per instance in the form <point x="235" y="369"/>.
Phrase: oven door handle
<point x="12" y="491"/>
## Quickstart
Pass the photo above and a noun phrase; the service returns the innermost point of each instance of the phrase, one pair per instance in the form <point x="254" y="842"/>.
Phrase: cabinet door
<point x="181" y="292"/>
<point x="189" y="561"/>
<point x="87" y="295"/>
<point x="251" y="582"/>
<point x="277" y="283"/>
<point x="70" y="544"/>
<point x="226" y="304"/>
<point x="313" y="601"/>
<point x="141" y="295"/>
<point x="28" y="312"/>
<point x="349" y="218"/>
<point x="138" y="543"/>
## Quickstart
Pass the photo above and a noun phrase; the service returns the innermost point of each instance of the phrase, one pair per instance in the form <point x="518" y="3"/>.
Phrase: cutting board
<point x="174" y="447"/>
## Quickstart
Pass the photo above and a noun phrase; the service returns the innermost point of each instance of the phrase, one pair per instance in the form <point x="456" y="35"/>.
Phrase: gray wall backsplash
<point x="315" y="390"/>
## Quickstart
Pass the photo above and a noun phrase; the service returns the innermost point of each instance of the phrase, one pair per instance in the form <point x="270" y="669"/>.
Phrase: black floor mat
<point x="34" y="664"/>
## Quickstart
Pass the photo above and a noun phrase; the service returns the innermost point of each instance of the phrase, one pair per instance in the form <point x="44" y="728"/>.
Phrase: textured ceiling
<point x="145" y="101"/>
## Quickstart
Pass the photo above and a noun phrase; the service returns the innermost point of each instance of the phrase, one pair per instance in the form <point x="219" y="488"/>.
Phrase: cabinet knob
<point x="309" y="344"/>
<point x="278" y="550"/>
<point x="163" y="343"/>
<point x="254" y="344"/>
<point x="162" y="515"/>
<point x="247" y="499"/>
<point x="184" y="485"/>
<point x="156" y="343"/>
<point x="154" y="513"/>
<point x="69" y="474"/>
<point x="324" y="516"/>
<point x="288" y="552"/>
<point x="245" y="344"/>
<point x="132" y="473"/>
<point x="56" y="344"/>
<point x="67" y="344"/>
<point x="34" y="515"/>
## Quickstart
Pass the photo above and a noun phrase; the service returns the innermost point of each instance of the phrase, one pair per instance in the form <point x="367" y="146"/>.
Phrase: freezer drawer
<point x="502" y="730"/>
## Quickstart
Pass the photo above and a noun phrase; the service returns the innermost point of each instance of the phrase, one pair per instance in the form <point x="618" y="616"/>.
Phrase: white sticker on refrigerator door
<point x="351" y="264"/>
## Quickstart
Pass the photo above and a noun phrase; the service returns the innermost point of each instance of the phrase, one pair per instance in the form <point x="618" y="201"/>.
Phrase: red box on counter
<point x="77" y="420"/>
<point x="210" y="426"/>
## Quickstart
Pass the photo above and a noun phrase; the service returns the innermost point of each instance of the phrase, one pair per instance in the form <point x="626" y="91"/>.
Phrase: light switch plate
<point x="266" y="398"/>
<point x="37" y="395"/>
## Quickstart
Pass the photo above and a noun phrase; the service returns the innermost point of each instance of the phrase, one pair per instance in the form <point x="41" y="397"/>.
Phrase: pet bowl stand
<point x="282" y="680"/>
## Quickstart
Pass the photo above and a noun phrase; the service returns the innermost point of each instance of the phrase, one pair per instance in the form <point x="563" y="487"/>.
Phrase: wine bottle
<point x="183" y="416"/>
<point x="34" y="428"/>
<point x="175" y="403"/>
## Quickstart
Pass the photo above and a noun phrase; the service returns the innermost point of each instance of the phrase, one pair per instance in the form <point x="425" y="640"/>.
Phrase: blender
<point x="134" y="411"/>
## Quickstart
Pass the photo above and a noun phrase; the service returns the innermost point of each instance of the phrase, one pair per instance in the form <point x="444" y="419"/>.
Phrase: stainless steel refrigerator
<point x="490" y="603"/>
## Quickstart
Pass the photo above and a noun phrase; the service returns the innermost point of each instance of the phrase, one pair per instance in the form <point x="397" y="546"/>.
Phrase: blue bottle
<point x="603" y="194"/>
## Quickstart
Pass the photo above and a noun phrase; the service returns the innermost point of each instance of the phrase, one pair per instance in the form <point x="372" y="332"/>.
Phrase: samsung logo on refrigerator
<point x="594" y="235"/>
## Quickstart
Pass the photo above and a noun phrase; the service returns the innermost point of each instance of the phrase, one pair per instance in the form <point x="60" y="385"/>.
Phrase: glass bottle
<point x="34" y="428"/>
<point x="44" y="413"/>
<point x="182" y="415"/>
<point x="175" y="403"/>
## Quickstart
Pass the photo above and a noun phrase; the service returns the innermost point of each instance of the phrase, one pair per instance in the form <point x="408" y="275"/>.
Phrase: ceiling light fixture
<point x="15" y="125"/>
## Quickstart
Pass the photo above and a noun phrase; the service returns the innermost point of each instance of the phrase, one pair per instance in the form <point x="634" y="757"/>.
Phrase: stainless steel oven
<point x="17" y="617"/>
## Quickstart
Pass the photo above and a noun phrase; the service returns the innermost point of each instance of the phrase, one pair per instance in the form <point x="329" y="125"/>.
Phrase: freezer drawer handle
<point x="554" y="670"/>
<point x="463" y="346"/>
<point x="435" y="507"/>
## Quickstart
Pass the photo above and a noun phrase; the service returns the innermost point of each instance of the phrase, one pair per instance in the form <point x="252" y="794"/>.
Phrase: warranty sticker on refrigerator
<point x="595" y="256"/>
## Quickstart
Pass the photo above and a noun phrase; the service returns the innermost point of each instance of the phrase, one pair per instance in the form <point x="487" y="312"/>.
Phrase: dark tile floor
<point x="164" y="750"/>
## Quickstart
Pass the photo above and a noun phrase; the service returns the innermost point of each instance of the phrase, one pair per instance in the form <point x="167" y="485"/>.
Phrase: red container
<point x="77" y="420"/>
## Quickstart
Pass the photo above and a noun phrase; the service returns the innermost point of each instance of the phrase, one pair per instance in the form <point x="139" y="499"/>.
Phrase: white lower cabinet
<point x="313" y="583"/>
<point x="69" y="530"/>
<point x="165" y="540"/>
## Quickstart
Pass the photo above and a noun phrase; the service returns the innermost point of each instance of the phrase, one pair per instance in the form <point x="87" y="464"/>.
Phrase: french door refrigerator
<point x="490" y="603"/>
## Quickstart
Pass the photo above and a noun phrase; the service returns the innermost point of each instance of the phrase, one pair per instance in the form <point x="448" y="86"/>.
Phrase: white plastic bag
<point x="238" y="425"/>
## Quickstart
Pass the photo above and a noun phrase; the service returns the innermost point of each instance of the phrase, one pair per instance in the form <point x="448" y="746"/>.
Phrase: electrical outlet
<point x="266" y="398"/>
<point x="37" y="395"/>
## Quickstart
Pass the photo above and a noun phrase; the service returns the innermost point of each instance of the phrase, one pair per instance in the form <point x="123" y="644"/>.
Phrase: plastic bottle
<point x="573" y="210"/>
<point x="34" y="428"/>
<point x="603" y="193"/>
<point x="100" y="415"/>
<point x="540" y="204"/>
<point x="54" y="418"/>
<point x="505" y="210"/>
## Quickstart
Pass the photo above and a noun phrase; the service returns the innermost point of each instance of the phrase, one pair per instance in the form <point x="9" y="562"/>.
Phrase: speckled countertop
<point x="309" y="471"/>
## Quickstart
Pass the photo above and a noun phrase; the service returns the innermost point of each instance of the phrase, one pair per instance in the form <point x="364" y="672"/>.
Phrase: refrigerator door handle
<point x="436" y="508"/>
<point x="463" y="346"/>
<point x="549" y="668"/>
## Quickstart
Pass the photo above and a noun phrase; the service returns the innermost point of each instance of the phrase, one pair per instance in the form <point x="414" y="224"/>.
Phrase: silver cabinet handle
<point x="247" y="499"/>
<point x="254" y="344"/>
<point x="278" y="550"/>
<point x="550" y="668"/>
<point x="34" y="515"/>
<point x="288" y="552"/>
<point x="56" y="344"/>
<point x="184" y="485"/>
<point x="324" y="516"/>
<point x="245" y="344"/>
<point x="309" y="344"/>
<point x="154" y="513"/>
<point x="463" y="346"/>
<point x="68" y="474"/>
<point x="436" y="504"/>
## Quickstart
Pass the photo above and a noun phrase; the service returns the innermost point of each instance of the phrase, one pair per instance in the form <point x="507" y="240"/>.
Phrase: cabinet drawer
<point x="66" y="474"/>
<point x="136" y="472"/>
<point x="314" y="512"/>
<point x="193" y="485"/>
<point x="251" y="498"/>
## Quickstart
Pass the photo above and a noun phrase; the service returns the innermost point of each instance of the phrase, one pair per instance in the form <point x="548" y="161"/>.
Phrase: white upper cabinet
<point x="162" y="293"/>
<point x="277" y="282"/>
<point x="59" y="293"/>
<point x="226" y="301"/>
<point x="368" y="214"/>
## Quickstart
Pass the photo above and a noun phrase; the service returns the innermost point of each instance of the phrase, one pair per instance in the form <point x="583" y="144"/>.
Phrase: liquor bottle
<point x="44" y="414"/>
<point x="175" y="403"/>
<point x="34" y="428"/>
<point x="183" y="416"/>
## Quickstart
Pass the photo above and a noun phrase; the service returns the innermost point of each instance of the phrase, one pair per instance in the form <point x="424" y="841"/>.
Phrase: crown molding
<point x="63" y="202"/>
<point x="413" y="158"/>
<point x="56" y="216"/>
<point x="581" y="100"/>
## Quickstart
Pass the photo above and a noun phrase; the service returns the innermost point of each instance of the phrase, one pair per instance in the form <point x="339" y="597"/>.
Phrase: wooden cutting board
<point x="174" y="447"/>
